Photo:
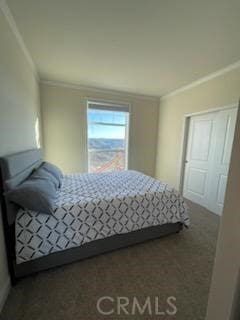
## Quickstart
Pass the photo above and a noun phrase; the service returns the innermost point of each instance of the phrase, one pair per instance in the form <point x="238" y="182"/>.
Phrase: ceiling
<point x="148" y="47"/>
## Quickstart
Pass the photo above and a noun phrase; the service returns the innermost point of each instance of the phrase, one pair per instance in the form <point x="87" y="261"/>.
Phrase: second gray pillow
<point x="34" y="194"/>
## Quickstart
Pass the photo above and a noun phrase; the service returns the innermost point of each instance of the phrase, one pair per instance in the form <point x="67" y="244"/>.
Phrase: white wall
<point x="19" y="111"/>
<point x="64" y="127"/>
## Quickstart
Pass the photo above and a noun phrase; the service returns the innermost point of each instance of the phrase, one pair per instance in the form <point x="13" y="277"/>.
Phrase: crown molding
<point x="9" y="17"/>
<point x="98" y="89"/>
<point x="200" y="81"/>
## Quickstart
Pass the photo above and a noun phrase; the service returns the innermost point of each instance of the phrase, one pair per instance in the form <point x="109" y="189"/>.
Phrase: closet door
<point x="225" y="127"/>
<point x="199" y="158"/>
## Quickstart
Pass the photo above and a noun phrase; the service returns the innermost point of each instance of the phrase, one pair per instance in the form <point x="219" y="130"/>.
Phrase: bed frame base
<point x="94" y="248"/>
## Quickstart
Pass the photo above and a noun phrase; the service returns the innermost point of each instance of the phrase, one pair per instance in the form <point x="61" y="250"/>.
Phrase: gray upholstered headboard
<point x="15" y="168"/>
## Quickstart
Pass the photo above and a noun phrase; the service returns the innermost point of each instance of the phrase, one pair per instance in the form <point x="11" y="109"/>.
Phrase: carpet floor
<point x="179" y="266"/>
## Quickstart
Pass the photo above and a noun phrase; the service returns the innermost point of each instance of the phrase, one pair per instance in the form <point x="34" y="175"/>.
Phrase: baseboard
<point x="4" y="291"/>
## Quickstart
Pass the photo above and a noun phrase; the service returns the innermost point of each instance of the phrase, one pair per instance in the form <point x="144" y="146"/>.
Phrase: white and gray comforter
<point x="95" y="206"/>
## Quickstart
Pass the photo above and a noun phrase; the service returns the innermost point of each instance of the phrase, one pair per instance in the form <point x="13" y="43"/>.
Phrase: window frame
<point x="114" y="105"/>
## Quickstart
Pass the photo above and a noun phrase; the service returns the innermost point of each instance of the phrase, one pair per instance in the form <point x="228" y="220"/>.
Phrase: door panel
<point x="226" y="141"/>
<point x="221" y="189"/>
<point x="225" y="125"/>
<point x="197" y="181"/>
<point x="198" y="160"/>
<point x="202" y="132"/>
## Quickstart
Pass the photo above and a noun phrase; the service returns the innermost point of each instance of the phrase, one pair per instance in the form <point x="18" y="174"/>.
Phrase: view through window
<point x="107" y="137"/>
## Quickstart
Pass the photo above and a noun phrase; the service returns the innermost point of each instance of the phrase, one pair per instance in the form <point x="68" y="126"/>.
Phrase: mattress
<point x="94" y="206"/>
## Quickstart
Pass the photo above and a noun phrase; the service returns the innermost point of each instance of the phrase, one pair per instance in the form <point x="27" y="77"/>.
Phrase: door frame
<point x="185" y="132"/>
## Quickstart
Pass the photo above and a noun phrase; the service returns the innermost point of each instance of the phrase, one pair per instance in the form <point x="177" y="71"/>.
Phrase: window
<point x="107" y="137"/>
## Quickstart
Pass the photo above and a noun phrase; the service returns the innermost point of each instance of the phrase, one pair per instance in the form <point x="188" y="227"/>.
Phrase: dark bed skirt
<point x="94" y="248"/>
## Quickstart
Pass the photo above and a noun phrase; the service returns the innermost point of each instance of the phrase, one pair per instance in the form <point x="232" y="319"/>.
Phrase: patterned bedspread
<point x="95" y="206"/>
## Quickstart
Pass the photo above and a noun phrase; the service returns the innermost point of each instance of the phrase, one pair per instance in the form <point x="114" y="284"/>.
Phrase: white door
<point x="207" y="160"/>
<point x="225" y="127"/>
<point x="199" y="158"/>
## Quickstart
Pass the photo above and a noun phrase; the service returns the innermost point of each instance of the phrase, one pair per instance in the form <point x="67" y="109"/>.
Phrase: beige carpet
<point x="179" y="265"/>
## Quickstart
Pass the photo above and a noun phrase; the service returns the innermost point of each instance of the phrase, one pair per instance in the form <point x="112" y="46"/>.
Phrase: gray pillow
<point x="54" y="170"/>
<point x="34" y="194"/>
<point x="42" y="173"/>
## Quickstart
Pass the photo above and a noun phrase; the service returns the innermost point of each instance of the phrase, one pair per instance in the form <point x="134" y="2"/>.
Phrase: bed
<point x="93" y="214"/>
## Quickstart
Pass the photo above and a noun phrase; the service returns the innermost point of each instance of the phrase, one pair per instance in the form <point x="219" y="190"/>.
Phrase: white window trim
<point x="116" y="104"/>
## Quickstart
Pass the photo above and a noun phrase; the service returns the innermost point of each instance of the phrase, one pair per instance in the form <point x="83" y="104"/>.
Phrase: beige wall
<point x="221" y="91"/>
<point x="19" y="109"/>
<point x="64" y="127"/>
<point x="225" y="288"/>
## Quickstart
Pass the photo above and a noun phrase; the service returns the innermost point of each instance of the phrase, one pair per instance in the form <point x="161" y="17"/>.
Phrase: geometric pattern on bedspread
<point x="95" y="206"/>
